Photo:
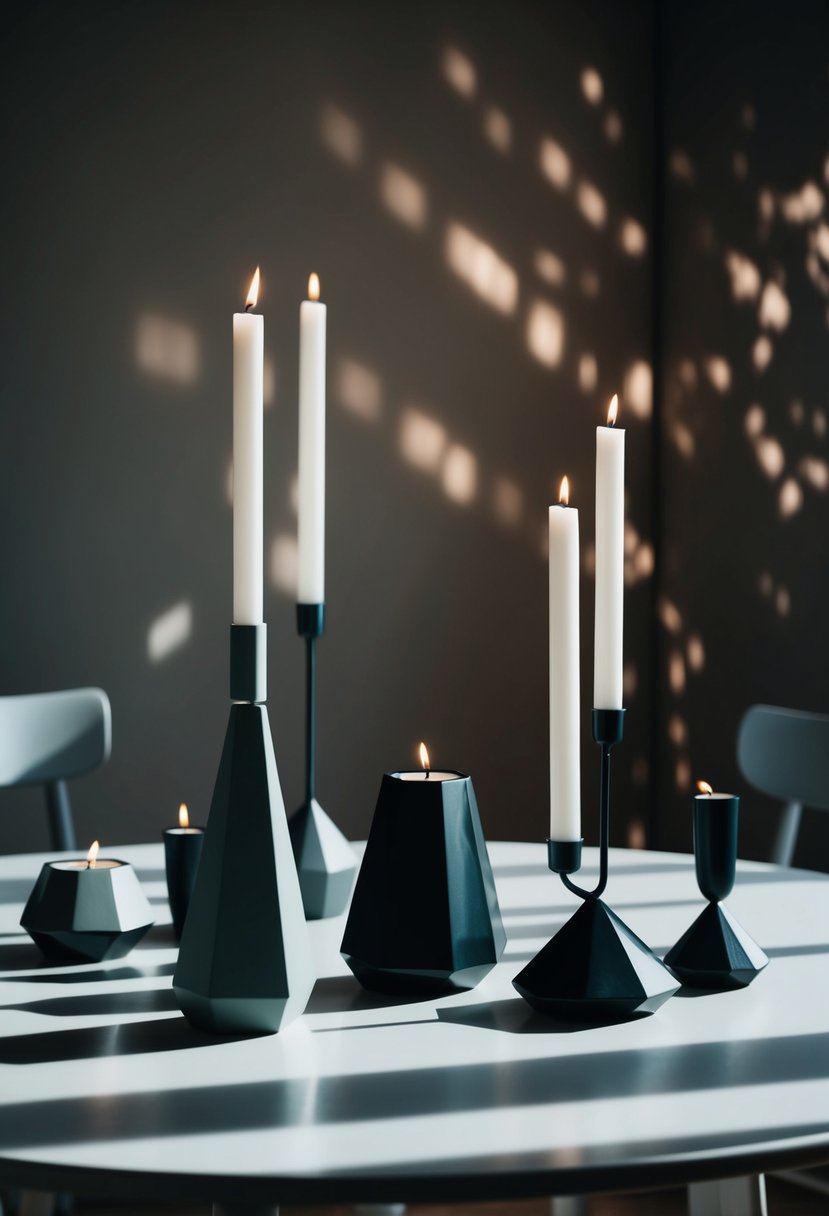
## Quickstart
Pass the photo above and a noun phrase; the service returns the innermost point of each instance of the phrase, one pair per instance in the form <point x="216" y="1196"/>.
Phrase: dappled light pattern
<point x="555" y="163"/>
<point x="718" y="371"/>
<point x="358" y="389"/>
<point x="592" y="86"/>
<point x="549" y="267"/>
<point x="588" y="373"/>
<point x="545" y="333"/>
<point x="284" y="564"/>
<point x="459" y="476"/>
<point x="507" y="502"/>
<point x="591" y="203"/>
<point x="403" y="195"/>
<point x="761" y="352"/>
<point x="682" y="167"/>
<point x="169" y="632"/>
<point x="614" y="128"/>
<point x="488" y="274"/>
<point x="637" y="389"/>
<point x="168" y="349"/>
<point x="745" y="276"/>
<point x="459" y="71"/>
<point x="498" y="129"/>
<point x="423" y="440"/>
<point x="633" y="238"/>
<point x="341" y="135"/>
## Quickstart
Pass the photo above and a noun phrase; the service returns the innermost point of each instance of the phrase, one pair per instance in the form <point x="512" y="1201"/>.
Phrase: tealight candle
<point x="715" y="840"/>
<point x="426" y="773"/>
<point x="182" y="851"/>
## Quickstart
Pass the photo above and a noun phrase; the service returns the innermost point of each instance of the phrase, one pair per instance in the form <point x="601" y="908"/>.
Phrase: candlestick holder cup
<point x="325" y="860"/>
<point x="245" y="962"/>
<point x="424" y="918"/>
<point x="595" y="969"/>
<point x="716" y="952"/>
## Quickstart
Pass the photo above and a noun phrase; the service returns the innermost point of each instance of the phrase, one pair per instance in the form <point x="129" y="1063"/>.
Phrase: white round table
<point x="104" y="1089"/>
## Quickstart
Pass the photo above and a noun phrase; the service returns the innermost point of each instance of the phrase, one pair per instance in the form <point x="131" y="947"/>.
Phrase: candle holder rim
<point x="456" y="774"/>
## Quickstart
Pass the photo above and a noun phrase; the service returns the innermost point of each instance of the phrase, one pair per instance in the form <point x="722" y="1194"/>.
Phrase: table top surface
<point x="104" y="1086"/>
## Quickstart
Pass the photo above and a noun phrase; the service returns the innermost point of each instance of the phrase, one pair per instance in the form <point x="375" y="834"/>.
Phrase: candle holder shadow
<point x="325" y="861"/>
<point x="595" y="969"/>
<point x="245" y="962"/>
<point x="716" y="953"/>
<point x="424" y="919"/>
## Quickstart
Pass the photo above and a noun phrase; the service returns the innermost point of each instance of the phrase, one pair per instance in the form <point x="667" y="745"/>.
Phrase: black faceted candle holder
<point x="80" y="913"/>
<point x="182" y="852"/>
<point x="716" y="952"/>
<point x="424" y="918"/>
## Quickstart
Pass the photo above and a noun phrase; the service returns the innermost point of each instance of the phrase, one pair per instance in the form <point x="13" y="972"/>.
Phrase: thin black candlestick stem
<point x="604" y="832"/>
<point x="310" y="717"/>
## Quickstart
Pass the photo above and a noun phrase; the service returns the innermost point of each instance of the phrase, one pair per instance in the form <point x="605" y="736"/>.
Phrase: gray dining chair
<point x="48" y="737"/>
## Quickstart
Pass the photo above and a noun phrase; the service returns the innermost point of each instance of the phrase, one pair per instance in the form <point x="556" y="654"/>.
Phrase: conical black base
<point x="716" y="952"/>
<point x="325" y="861"/>
<point x="595" y="969"/>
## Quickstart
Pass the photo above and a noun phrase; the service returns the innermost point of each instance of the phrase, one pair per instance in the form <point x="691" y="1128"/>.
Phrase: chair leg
<point x="729" y="1197"/>
<point x="569" y="1205"/>
<point x="61" y="827"/>
<point x="786" y="836"/>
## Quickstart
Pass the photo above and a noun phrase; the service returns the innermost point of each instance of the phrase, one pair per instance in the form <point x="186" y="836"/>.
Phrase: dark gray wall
<point x="153" y="154"/>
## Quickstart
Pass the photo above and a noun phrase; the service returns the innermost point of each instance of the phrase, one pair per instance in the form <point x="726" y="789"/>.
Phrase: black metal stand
<point x="245" y="961"/>
<point x="325" y="860"/>
<point x="595" y="969"/>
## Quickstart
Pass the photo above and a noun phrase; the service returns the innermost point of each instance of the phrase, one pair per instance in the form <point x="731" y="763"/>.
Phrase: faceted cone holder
<point x="245" y="962"/>
<point x="424" y="918"/>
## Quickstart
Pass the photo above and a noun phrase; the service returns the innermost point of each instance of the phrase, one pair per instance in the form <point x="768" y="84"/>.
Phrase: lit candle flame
<point x="92" y="855"/>
<point x="253" y="291"/>
<point x="704" y="787"/>
<point x="564" y="492"/>
<point x="424" y="758"/>
<point x="183" y="816"/>
<point x="613" y="410"/>
<point x="314" y="287"/>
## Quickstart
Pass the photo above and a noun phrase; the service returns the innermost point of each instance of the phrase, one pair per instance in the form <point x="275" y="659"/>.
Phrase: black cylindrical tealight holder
<point x="182" y="852"/>
<point x="715" y="843"/>
<point x="424" y="918"/>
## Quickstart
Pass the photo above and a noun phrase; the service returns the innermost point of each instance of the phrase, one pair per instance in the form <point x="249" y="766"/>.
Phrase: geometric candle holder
<point x="424" y="918"/>
<point x="245" y="962"/>
<point x="182" y="851"/>
<point x="716" y="952"/>
<point x="325" y="860"/>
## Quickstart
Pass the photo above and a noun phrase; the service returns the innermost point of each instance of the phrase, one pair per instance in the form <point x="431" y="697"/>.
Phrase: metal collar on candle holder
<point x="564" y="856"/>
<point x="310" y="620"/>
<point x="249" y="663"/>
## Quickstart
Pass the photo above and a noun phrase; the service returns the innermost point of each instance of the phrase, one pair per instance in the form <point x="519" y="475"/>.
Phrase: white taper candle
<point x="248" y="505"/>
<point x="565" y="734"/>
<point x="311" y="538"/>
<point x="610" y="563"/>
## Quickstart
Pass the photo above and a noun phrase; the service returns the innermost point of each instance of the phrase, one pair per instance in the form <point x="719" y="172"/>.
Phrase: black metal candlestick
<point x="595" y="969"/>
<point x="324" y="858"/>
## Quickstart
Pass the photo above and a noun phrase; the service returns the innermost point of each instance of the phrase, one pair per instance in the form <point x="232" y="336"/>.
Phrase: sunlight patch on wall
<point x="285" y="564"/>
<point x="695" y="653"/>
<point x="591" y="203"/>
<point x="590" y="284"/>
<point x="268" y="382"/>
<point x="677" y="730"/>
<point x="815" y="471"/>
<point x="460" y="475"/>
<point x="791" y="498"/>
<point x="592" y="86"/>
<point x="423" y="440"/>
<point x="169" y="632"/>
<point x="782" y="601"/>
<point x="676" y="673"/>
<point x="403" y="195"/>
<point x="770" y="456"/>
<point x="169" y="349"/>
<point x="613" y="127"/>
<point x="545" y="333"/>
<point x="549" y="267"/>
<point x="740" y="166"/>
<point x="459" y="71"/>
<point x="745" y="276"/>
<point x="681" y="167"/>
<point x="819" y="423"/>
<point x="481" y="268"/>
<point x="554" y="163"/>
<point x="630" y="680"/>
<point x="754" y="421"/>
<point x="748" y="116"/>
<point x="588" y="372"/>
<point x="687" y="373"/>
<point x="796" y="412"/>
<point x="359" y="389"/>
<point x="682" y="775"/>
<point x="637" y="389"/>
<point x="636" y="837"/>
<point x="718" y="371"/>
<point x="761" y="352"/>
<point x="820" y="239"/>
<point x="683" y="439"/>
<point x="775" y="310"/>
<point x="507" y="502"/>
<point x="632" y="238"/>
<point x="804" y="205"/>
<point x="341" y="135"/>
<point x="669" y="615"/>
<point x="497" y="129"/>
<point x="643" y="561"/>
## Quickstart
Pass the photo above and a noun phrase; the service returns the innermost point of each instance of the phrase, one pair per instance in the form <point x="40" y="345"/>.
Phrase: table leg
<point x="569" y="1205"/>
<point x="729" y="1197"/>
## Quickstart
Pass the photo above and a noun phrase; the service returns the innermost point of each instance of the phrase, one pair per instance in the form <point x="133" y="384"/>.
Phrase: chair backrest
<point x="785" y="753"/>
<point x="47" y="736"/>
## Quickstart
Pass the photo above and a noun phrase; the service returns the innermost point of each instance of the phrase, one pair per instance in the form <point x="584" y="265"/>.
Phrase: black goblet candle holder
<point x="595" y="969"/>
<point x="716" y="952"/>
<point x="324" y="858"/>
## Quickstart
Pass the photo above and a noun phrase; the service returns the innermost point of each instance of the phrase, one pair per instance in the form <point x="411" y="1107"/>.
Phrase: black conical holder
<point x="595" y="969"/>
<point x="325" y="860"/>
<point x="245" y="962"/>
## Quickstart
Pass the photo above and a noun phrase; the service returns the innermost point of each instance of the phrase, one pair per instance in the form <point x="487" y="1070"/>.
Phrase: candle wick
<point x="427" y="774"/>
<point x="248" y="307"/>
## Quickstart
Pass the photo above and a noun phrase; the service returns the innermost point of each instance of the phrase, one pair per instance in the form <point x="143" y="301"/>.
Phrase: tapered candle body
<point x="311" y="538"/>
<point x="248" y="503"/>
<point x="565" y="760"/>
<point x="610" y="567"/>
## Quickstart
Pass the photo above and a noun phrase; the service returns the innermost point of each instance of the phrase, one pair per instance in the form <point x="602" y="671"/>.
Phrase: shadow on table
<point x="97" y="1004"/>
<point x="512" y="1016"/>
<point x="92" y="1042"/>
<point x="15" y="890"/>
<point x="343" y="994"/>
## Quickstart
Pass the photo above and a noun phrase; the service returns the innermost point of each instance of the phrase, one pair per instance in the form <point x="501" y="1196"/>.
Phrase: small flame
<point x="92" y="855"/>
<point x="183" y="816"/>
<point x="704" y="787"/>
<point x="613" y="410"/>
<point x="253" y="291"/>
<point x="564" y="492"/>
<point x="314" y="287"/>
<point x="424" y="757"/>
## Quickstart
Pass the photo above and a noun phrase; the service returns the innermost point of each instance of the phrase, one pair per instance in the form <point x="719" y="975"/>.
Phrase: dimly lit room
<point x="414" y="719"/>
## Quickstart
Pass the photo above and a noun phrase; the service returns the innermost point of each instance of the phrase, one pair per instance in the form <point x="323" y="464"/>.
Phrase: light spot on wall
<point x="630" y="680"/>
<point x="770" y="456"/>
<point x="588" y="373"/>
<point x="639" y="771"/>
<point x="718" y="371"/>
<point x="459" y="71"/>
<point x="804" y="205"/>
<point x="791" y="498"/>
<point x="683" y="439"/>
<point x="765" y="205"/>
<point x="681" y="167"/>
<point x="613" y="127"/>
<point x="748" y="116"/>
<point x="775" y="310"/>
<point x="669" y="615"/>
<point x="695" y="653"/>
<point x="637" y="389"/>
<point x="591" y="203"/>
<point x="677" y="730"/>
<point x="549" y="267"/>
<point x="507" y="502"/>
<point x="739" y="164"/>
<point x="341" y="135"/>
<point x="590" y="284"/>
<point x="460" y="475"/>
<point x="815" y="471"/>
<point x="403" y="195"/>
<point x="761" y="352"/>
<point x="676" y="673"/>
<point x="754" y="421"/>
<point x="359" y="389"/>
<point x="589" y="560"/>
<point x="169" y="632"/>
<point x="423" y="440"/>
<point x="745" y="276"/>
<point x="285" y="564"/>
<point x="545" y="333"/>
<point x="631" y="537"/>
<point x="682" y="775"/>
<point x="643" y="560"/>
<point x="592" y="86"/>
<point x="633" y="238"/>
<point x="796" y="413"/>
<point x="498" y="129"/>
<point x="820" y="237"/>
<point x="782" y="602"/>
<point x="481" y="268"/>
<point x="819" y="423"/>
<point x="636" y="837"/>
<point x="554" y="163"/>
<point x="765" y="584"/>
<point x="687" y="372"/>
<point x="268" y="382"/>
<point x="169" y="349"/>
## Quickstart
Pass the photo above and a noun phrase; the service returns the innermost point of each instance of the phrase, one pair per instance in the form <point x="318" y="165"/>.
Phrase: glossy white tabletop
<point x="104" y="1088"/>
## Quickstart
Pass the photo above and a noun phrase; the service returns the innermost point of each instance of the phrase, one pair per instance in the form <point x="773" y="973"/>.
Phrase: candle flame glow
<point x="313" y="287"/>
<point x="424" y="757"/>
<point x="253" y="291"/>
<point x="704" y="787"/>
<point x="92" y="855"/>
<point x="564" y="492"/>
<point x="183" y="816"/>
<point x="613" y="410"/>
